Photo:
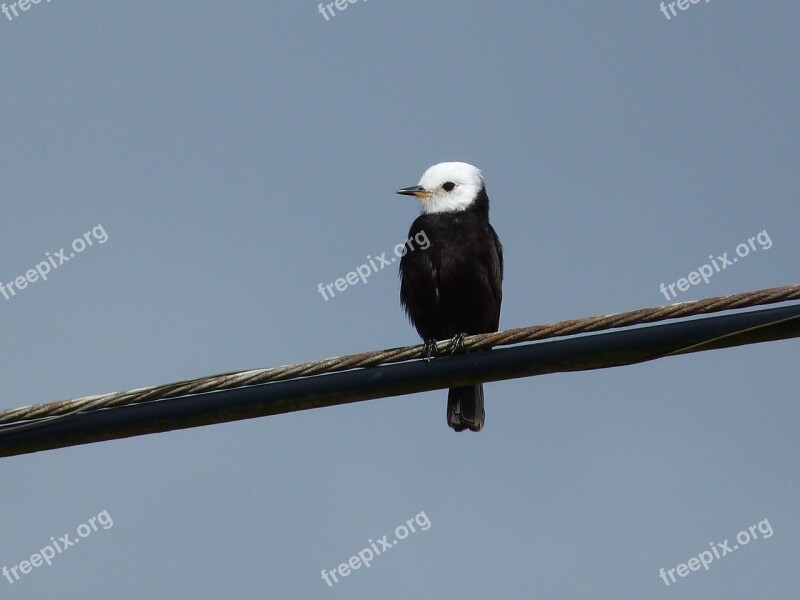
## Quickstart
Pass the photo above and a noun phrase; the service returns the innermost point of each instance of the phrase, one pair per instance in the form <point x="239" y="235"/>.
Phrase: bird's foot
<point x="429" y="349"/>
<point x="456" y="344"/>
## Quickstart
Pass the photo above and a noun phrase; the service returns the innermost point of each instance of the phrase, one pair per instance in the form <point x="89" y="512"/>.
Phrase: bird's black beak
<point x="415" y="190"/>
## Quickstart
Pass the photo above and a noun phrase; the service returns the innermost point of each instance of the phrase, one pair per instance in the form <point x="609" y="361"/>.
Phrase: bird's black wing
<point x="495" y="264"/>
<point x="419" y="285"/>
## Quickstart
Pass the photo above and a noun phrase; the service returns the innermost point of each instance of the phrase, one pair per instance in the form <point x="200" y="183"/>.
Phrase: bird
<point x="453" y="286"/>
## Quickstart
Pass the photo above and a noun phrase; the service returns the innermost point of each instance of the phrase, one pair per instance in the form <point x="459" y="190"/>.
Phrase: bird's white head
<point x="447" y="187"/>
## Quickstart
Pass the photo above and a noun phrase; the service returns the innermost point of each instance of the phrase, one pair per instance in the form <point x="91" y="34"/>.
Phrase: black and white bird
<point x="453" y="287"/>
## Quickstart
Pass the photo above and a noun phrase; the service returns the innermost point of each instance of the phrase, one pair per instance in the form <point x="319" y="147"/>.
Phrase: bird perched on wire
<point x="453" y="287"/>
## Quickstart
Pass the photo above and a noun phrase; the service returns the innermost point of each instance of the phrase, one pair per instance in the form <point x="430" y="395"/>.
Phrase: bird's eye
<point x="447" y="187"/>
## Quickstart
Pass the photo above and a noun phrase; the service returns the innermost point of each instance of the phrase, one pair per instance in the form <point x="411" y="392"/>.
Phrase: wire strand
<point x="486" y="341"/>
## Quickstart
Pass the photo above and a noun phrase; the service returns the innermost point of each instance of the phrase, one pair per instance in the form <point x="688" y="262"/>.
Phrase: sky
<point x="221" y="160"/>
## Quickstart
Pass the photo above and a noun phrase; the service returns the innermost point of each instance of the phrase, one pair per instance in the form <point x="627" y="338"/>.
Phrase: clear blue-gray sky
<point x="234" y="156"/>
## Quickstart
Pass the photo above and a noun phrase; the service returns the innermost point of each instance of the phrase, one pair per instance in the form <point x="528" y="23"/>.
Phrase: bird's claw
<point x="456" y="344"/>
<point x="429" y="349"/>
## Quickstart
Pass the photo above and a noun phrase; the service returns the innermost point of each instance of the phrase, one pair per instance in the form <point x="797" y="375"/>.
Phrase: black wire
<point x="590" y="351"/>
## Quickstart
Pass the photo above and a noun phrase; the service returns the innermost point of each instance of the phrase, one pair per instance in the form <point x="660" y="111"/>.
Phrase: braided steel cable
<point x="37" y="413"/>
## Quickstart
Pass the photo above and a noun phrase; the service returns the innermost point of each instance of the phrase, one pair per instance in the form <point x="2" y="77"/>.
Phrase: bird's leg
<point x="456" y="344"/>
<point x="429" y="349"/>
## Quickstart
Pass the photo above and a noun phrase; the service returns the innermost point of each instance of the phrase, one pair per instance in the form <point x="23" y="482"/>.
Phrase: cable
<point x="38" y="416"/>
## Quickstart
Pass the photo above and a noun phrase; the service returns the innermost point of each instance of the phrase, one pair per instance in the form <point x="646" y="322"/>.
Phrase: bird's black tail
<point x="465" y="408"/>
